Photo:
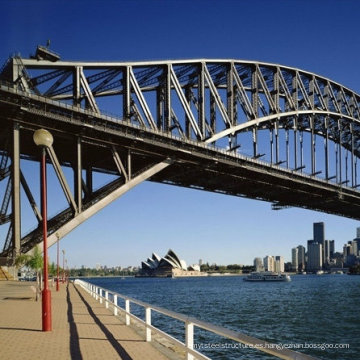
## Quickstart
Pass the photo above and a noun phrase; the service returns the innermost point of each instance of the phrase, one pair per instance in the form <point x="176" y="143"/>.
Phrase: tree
<point x="34" y="262"/>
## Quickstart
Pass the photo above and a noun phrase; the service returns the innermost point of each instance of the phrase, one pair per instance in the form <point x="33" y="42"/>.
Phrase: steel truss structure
<point x="249" y="129"/>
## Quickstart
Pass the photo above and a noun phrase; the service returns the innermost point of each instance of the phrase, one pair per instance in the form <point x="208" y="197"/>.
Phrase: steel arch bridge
<point x="244" y="128"/>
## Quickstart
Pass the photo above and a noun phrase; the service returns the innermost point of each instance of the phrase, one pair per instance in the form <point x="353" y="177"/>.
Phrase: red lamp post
<point x="63" y="275"/>
<point x="44" y="139"/>
<point x="57" y="277"/>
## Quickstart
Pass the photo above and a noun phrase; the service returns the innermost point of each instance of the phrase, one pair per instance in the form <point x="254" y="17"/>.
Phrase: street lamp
<point x="57" y="277"/>
<point x="63" y="276"/>
<point x="44" y="139"/>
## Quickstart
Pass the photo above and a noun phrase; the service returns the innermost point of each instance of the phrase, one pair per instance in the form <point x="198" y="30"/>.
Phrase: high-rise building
<point x="301" y="258"/>
<point x="294" y="259"/>
<point x="315" y="260"/>
<point x="326" y="252"/>
<point x="269" y="263"/>
<point x="279" y="264"/>
<point x="332" y="248"/>
<point x="200" y="262"/>
<point x="356" y="243"/>
<point x="258" y="264"/>
<point x="319" y="236"/>
<point x="319" y="232"/>
<point x="357" y="246"/>
<point x="347" y="252"/>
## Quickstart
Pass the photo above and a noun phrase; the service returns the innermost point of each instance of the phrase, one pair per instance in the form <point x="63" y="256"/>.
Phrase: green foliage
<point x="101" y="272"/>
<point x="52" y="269"/>
<point x="233" y="268"/>
<point x="36" y="260"/>
<point x="354" y="270"/>
<point x="22" y="260"/>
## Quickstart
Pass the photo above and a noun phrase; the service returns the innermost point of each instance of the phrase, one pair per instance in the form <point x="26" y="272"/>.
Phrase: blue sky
<point x="314" y="35"/>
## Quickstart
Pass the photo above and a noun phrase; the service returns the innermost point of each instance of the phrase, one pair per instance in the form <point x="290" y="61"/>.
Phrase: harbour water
<point x="319" y="313"/>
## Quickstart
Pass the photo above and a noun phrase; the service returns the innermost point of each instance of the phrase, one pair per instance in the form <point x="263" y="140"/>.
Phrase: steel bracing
<point x="243" y="128"/>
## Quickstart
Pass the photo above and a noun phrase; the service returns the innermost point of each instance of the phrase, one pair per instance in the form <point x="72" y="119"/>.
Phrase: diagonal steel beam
<point x="119" y="164"/>
<point x="216" y="96"/>
<point x="61" y="177"/>
<point x="30" y="197"/>
<point x="99" y="205"/>
<point x="88" y="92"/>
<point x="184" y="103"/>
<point x="142" y="100"/>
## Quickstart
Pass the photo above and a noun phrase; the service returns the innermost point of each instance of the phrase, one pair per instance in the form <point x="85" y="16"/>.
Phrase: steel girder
<point x="193" y="105"/>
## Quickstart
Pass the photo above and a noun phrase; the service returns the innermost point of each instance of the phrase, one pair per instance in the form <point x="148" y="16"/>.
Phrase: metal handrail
<point x="189" y="321"/>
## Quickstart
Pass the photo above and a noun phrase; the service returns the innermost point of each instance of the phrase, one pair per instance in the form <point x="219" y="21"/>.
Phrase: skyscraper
<point x="301" y="258"/>
<point x="319" y="232"/>
<point x="258" y="264"/>
<point x="294" y="259"/>
<point x="347" y="252"/>
<point x="315" y="259"/>
<point x="326" y="252"/>
<point x="332" y="248"/>
<point x="279" y="264"/>
<point x="269" y="263"/>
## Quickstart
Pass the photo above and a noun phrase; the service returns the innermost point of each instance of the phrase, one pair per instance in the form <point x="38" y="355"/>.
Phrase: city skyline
<point x="155" y="217"/>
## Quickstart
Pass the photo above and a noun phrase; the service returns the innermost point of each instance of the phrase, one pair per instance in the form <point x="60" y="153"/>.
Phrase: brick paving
<point x="82" y="327"/>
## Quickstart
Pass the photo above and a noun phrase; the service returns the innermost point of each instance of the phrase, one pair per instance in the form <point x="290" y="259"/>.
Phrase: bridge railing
<point x="104" y="296"/>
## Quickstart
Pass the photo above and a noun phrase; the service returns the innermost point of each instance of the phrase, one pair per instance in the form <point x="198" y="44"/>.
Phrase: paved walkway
<point x="82" y="328"/>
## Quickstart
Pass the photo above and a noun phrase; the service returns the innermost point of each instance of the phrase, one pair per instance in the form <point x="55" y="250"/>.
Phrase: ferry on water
<point x="267" y="276"/>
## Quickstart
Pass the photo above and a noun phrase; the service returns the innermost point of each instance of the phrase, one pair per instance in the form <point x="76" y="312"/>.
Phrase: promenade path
<point x="82" y="328"/>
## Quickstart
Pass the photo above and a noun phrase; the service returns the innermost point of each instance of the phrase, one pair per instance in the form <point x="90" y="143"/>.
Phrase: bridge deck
<point x="82" y="328"/>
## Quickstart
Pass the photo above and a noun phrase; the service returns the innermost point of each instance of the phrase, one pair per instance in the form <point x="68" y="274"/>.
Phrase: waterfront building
<point x="319" y="236"/>
<point x="168" y="266"/>
<point x="269" y="263"/>
<point x="355" y="247"/>
<point x="356" y="243"/>
<point x="332" y="249"/>
<point x="301" y="258"/>
<point x="319" y="232"/>
<point x="347" y="252"/>
<point x="326" y="252"/>
<point x="194" y="267"/>
<point x="350" y="258"/>
<point x="294" y="259"/>
<point x="279" y="264"/>
<point x="315" y="259"/>
<point x="258" y="264"/>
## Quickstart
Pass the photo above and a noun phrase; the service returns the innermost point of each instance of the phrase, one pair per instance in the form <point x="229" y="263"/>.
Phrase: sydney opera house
<point x="168" y="266"/>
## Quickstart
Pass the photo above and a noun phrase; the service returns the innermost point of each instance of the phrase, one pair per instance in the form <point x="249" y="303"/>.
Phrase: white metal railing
<point x="190" y="323"/>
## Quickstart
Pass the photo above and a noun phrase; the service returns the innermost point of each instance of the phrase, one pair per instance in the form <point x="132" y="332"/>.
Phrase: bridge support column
<point x="15" y="176"/>
<point x="78" y="176"/>
<point x="326" y="149"/>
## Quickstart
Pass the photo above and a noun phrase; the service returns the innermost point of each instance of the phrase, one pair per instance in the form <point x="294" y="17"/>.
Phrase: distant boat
<point x="267" y="276"/>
